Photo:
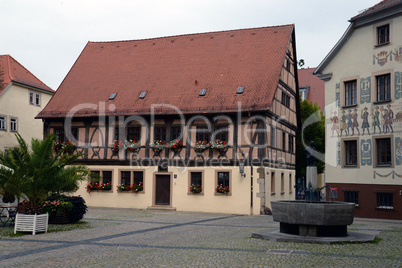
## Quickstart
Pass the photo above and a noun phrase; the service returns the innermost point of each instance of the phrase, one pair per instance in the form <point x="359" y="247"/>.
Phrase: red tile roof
<point x="12" y="71"/>
<point x="316" y="93"/>
<point x="173" y="70"/>
<point x="378" y="7"/>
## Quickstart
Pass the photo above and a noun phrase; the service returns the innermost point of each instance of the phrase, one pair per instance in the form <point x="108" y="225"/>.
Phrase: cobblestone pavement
<point x="138" y="238"/>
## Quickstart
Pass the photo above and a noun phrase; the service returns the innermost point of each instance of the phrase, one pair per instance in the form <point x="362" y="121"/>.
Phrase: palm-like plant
<point x="36" y="174"/>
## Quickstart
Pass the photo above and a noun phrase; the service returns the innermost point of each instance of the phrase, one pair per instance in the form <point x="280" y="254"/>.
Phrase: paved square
<point x="138" y="238"/>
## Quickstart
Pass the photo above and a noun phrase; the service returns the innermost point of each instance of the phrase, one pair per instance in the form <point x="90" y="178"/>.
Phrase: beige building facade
<point x="22" y="97"/>
<point x="363" y="97"/>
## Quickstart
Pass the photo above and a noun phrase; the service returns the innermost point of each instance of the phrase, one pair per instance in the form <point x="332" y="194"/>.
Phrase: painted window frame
<point x="346" y="142"/>
<point x="132" y="178"/>
<point x="13" y="124"/>
<point x="350" y="93"/>
<point x="37" y="99"/>
<point x="221" y="132"/>
<point x="190" y="181"/>
<point x="176" y="131"/>
<point x="100" y="172"/>
<point x="386" y="87"/>
<point x="383" y="34"/>
<point x="3" y="123"/>
<point x="202" y="133"/>
<point x="217" y="181"/>
<point x="31" y="98"/>
<point x="376" y="153"/>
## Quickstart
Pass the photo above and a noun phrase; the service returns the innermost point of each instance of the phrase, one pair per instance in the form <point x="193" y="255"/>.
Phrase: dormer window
<point x="112" y="96"/>
<point x="203" y="92"/>
<point x="383" y="34"/>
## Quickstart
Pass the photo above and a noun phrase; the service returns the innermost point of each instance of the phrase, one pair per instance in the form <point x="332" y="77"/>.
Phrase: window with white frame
<point x="2" y="123"/>
<point x="31" y="98"/>
<point x="13" y="124"/>
<point x="37" y="99"/>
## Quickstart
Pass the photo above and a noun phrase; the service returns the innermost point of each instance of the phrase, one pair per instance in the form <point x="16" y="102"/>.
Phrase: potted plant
<point x="76" y="213"/>
<point x="158" y="145"/>
<point x="69" y="146"/>
<point x="98" y="186"/>
<point x="57" y="146"/>
<point x="175" y="145"/>
<point x="58" y="211"/>
<point x="222" y="190"/>
<point x="132" y="145"/>
<point x="195" y="188"/>
<point x="124" y="188"/>
<point x="137" y="187"/>
<point x="219" y="145"/>
<point x="201" y="146"/>
<point x="36" y="173"/>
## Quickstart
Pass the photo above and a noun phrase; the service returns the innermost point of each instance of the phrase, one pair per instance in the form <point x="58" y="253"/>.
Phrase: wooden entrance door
<point x="162" y="190"/>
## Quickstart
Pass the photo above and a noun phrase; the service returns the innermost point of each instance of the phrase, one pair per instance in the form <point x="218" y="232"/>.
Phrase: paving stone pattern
<point x="138" y="238"/>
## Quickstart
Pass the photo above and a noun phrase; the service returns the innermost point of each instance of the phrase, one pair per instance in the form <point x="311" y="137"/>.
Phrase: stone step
<point x="161" y="208"/>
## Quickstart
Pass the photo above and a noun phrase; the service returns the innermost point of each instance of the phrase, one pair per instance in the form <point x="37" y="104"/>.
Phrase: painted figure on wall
<point x="388" y="119"/>
<point x="376" y="119"/>
<point x="355" y="124"/>
<point x="335" y="124"/>
<point x="365" y="124"/>
<point x="344" y="125"/>
<point x="349" y="117"/>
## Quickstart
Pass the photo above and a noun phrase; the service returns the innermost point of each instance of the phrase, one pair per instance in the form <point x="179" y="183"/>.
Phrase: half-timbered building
<point x="155" y="118"/>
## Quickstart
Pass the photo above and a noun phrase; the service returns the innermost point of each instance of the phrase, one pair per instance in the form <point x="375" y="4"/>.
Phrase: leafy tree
<point x="313" y="129"/>
<point x="36" y="174"/>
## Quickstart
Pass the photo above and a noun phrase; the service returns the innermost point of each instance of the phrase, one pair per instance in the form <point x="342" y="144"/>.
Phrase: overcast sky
<point x="47" y="36"/>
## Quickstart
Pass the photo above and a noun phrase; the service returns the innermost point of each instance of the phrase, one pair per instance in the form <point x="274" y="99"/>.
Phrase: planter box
<point x="31" y="223"/>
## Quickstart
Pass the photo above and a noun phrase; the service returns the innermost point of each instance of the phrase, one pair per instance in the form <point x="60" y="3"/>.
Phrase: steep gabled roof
<point x="12" y="71"/>
<point x="316" y="92"/>
<point x="377" y="7"/>
<point x="173" y="70"/>
<point x="381" y="11"/>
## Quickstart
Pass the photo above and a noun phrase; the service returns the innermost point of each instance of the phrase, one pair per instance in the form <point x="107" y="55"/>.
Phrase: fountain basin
<point x="313" y="219"/>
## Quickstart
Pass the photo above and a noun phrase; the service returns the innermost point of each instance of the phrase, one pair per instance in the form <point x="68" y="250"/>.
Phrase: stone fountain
<point x="312" y="220"/>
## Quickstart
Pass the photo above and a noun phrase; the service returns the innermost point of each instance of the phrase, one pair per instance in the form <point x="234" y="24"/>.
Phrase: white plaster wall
<point x="14" y="102"/>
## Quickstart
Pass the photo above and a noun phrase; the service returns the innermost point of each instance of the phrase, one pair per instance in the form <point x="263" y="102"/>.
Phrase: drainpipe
<point x="251" y="200"/>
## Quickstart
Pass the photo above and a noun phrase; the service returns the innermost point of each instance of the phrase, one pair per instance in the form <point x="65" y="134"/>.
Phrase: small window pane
<point x="196" y="178"/>
<point x="175" y="132"/>
<point x="384" y="151"/>
<point x="134" y="133"/>
<point x="384" y="87"/>
<point x="383" y="34"/>
<point x="351" y="153"/>
<point x="107" y="176"/>
<point x="138" y="177"/>
<point x="31" y="98"/>
<point x="202" y="133"/>
<point x="222" y="133"/>
<point x="2" y="123"/>
<point x="126" y="178"/>
<point x="13" y="124"/>
<point x="223" y="179"/>
<point x="37" y="100"/>
<point x="350" y="93"/>
<point x="385" y="200"/>
<point x="160" y="133"/>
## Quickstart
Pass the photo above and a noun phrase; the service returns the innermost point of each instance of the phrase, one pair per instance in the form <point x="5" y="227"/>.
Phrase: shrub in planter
<point x="74" y="213"/>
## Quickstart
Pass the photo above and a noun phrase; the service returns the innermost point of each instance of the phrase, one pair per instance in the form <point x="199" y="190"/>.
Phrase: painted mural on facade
<point x="383" y="57"/>
<point x="369" y="118"/>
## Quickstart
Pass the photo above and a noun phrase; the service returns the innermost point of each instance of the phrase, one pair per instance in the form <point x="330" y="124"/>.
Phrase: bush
<point x="79" y="207"/>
